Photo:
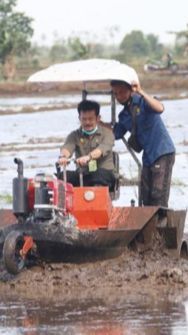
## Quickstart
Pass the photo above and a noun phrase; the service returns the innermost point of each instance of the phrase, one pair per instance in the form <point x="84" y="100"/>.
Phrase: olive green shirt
<point x="81" y="144"/>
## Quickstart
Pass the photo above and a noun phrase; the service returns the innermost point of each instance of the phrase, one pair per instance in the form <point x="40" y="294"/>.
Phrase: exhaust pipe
<point x="19" y="162"/>
<point x="20" y="194"/>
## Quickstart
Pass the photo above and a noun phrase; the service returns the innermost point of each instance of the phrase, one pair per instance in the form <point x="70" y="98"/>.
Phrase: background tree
<point x="15" y="34"/>
<point x="77" y="49"/>
<point x="58" y="51"/>
<point x="155" y="49"/>
<point x="134" y="45"/>
<point x="181" y="42"/>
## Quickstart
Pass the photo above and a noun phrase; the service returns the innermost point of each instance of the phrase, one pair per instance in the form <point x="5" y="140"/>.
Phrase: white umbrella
<point x="90" y="70"/>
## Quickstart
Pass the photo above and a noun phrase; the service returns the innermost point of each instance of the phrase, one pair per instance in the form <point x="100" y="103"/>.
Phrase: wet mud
<point x="133" y="272"/>
<point x="37" y="109"/>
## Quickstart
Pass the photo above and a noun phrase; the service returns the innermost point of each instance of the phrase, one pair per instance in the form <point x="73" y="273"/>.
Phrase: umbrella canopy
<point x="90" y="70"/>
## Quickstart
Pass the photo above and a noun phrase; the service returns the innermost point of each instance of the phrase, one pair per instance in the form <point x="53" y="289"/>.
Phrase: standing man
<point x="141" y="117"/>
<point x="92" y="145"/>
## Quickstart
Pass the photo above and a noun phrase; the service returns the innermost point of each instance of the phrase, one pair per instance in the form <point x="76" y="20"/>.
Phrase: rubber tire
<point x="13" y="262"/>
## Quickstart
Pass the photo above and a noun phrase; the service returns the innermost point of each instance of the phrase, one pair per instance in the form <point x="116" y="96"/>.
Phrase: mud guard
<point x="126" y="225"/>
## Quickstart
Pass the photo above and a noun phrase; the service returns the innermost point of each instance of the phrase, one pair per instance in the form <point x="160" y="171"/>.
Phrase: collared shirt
<point x="82" y="145"/>
<point x="151" y="132"/>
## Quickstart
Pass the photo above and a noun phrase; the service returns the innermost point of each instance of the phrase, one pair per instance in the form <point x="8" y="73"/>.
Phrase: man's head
<point x="88" y="111"/>
<point x="121" y="90"/>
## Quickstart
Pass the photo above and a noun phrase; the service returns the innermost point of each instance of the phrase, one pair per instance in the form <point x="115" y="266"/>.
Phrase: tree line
<point x="17" y="51"/>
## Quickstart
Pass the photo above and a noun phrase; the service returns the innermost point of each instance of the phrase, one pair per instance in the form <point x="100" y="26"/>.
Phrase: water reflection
<point x="133" y="316"/>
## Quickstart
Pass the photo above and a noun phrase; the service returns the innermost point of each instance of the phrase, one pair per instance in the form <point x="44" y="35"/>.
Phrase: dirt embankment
<point x="168" y="86"/>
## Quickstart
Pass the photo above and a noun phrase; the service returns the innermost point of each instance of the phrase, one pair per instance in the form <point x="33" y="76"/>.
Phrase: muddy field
<point x="154" y="271"/>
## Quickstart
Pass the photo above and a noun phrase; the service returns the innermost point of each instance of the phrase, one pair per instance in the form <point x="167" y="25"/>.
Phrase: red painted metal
<point x="95" y="213"/>
<point x="28" y="244"/>
<point x="61" y="193"/>
<point x="131" y="217"/>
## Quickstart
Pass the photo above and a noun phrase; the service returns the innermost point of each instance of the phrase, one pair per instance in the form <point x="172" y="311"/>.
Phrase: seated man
<point x="92" y="145"/>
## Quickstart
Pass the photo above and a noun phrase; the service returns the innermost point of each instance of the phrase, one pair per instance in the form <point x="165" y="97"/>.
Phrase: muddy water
<point x="130" y="315"/>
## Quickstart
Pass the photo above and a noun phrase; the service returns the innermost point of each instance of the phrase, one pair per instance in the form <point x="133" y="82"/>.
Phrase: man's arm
<point x="102" y="150"/>
<point x="64" y="156"/>
<point x="155" y="104"/>
<point x="94" y="154"/>
<point x="67" y="149"/>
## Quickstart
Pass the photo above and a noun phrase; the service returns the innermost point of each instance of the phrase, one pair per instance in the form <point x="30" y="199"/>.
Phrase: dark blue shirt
<point x="151" y="132"/>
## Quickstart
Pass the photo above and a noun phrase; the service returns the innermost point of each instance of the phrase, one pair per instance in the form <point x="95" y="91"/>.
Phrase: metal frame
<point x="113" y="120"/>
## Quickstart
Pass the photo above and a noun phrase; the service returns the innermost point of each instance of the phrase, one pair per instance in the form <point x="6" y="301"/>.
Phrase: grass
<point x="178" y="182"/>
<point x="7" y="198"/>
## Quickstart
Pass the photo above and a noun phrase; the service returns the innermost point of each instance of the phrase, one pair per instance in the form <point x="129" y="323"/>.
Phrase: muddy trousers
<point x="101" y="177"/>
<point x="156" y="181"/>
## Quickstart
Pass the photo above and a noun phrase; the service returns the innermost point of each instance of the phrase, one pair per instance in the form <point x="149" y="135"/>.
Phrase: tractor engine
<point x="40" y="195"/>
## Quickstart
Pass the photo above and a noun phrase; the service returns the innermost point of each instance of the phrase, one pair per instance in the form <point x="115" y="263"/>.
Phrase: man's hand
<point x="136" y="88"/>
<point x="63" y="160"/>
<point x="64" y="157"/>
<point x="153" y="102"/>
<point x="84" y="160"/>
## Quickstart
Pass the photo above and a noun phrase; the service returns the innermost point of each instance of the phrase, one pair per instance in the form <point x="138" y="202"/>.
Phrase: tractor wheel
<point x="13" y="261"/>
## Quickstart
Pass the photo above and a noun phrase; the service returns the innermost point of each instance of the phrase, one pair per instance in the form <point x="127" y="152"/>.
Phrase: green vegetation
<point x="15" y="34"/>
<point x="181" y="42"/>
<point x="6" y="198"/>
<point x="16" y="51"/>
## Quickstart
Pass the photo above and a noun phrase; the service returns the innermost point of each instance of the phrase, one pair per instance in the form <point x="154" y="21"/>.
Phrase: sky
<point x="104" y="20"/>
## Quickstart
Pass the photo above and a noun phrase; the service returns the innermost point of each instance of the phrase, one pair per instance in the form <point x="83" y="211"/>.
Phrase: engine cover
<point x="47" y="192"/>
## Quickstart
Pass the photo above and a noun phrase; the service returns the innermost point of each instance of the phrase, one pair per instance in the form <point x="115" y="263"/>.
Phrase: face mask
<point x="89" y="132"/>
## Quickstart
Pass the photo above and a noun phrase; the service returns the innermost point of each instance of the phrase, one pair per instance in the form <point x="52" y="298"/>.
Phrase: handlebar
<point x="58" y="170"/>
